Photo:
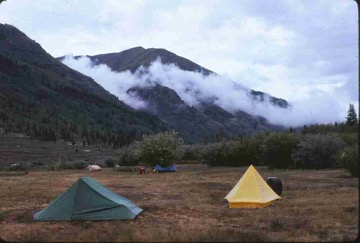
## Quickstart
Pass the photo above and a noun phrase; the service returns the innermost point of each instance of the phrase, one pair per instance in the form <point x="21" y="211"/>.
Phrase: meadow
<point x="188" y="205"/>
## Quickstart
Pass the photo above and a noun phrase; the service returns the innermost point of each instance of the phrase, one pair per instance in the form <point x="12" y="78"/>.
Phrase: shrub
<point x="130" y="155"/>
<point x="67" y="165"/>
<point x="110" y="162"/>
<point x="235" y="153"/>
<point x="79" y="165"/>
<point x="99" y="163"/>
<point x="219" y="153"/>
<point x="61" y="166"/>
<point x="192" y="152"/>
<point x="162" y="148"/>
<point x="37" y="164"/>
<point x="349" y="159"/>
<point x="350" y="138"/>
<point x="51" y="166"/>
<point x="317" y="151"/>
<point x="276" y="149"/>
<point x="19" y="167"/>
<point x="241" y="152"/>
<point x="254" y="148"/>
<point x="247" y="151"/>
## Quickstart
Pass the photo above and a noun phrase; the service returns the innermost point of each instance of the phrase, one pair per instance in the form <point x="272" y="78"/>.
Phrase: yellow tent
<point x="251" y="191"/>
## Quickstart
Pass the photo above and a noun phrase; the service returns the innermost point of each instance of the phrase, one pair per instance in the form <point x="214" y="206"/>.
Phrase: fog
<point x="316" y="106"/>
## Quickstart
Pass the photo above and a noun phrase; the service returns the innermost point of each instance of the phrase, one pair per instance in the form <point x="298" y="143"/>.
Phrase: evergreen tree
<point x="351" y="118"/>
<point x="304" y="130"/>
<point x="220" y="136"/>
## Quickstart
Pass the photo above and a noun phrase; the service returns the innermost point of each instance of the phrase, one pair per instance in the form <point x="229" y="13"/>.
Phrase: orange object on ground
<point x="141" y="170"/>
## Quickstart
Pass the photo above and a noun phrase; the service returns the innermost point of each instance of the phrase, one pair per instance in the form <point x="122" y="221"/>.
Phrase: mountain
<point x="133" y="58"/>
<point x="207" y="121"/>
<point x="165" y="103"/>
<point x="202" y="123"/>
<point x="46" y="99"/>
<point x="275" y="101"/>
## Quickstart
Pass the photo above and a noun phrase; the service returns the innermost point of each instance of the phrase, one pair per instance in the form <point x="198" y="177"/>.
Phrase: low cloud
<point x="116" y="83"/>
<point x="316" y="106"/>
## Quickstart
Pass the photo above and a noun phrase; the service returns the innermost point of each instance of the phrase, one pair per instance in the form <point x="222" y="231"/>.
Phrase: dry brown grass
<point x="18" y="148"/>
<point x="188" y="205"/>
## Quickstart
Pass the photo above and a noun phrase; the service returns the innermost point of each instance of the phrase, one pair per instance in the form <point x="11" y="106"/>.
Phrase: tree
<point x="349" y="159"/>
<point x="317" y="151"/>
<point x="304" y="130"/>
<point x="276" y="149"/>
<point x="351" y="118"/>
<point x="162" y="148"/>
<point x="221" y="135"/>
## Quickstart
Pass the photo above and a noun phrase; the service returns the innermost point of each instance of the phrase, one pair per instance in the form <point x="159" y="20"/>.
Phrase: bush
<point x="349" y="159"/>
<point x="192" y="152"/>
<point x="248" y="151"/>
<point x="19" y="167"/>
<point x="99" y="163"/>
<point x="255" y="148"/>
<point x="130" y="155"/>
<point x="79" y="165"/>
<point x="110" y="162"/>
<point x="219" y="153"/>
<point x="350" y="138"/>
<point x="51" y="167"/>
<point x="276" y="149"/>
<point x="162" y="148"/>
<point x="317" y="151"/>
<point x="67" y="166"/>
<point x="241" y="152"/>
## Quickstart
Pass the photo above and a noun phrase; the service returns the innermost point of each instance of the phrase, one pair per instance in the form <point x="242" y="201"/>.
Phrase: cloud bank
<point x="312" y="106"/>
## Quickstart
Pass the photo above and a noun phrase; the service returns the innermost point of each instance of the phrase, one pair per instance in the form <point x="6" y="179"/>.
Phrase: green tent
<point x="87" y="199"/>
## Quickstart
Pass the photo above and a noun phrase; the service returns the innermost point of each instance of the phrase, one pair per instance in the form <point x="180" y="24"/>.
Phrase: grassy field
<point x="18" y="148"/>
<point x="188" y="205"/>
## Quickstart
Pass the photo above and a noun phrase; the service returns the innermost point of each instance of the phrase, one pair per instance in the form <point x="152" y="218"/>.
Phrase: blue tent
<point x="170" y="168"/>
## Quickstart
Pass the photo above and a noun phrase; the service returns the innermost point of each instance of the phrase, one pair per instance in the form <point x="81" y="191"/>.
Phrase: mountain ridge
<point x="52" y="100"/>
<point x="133" y="58"/>
<point x="206" y="120"/>
<point x="45" y="98"/>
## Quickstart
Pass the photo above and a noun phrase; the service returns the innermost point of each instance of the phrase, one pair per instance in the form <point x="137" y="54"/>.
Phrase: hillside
<point x="131" y="59"/>
<point x="205" y="122"/>
<point x="47" y="100"/>
<point x="193" y="125"/>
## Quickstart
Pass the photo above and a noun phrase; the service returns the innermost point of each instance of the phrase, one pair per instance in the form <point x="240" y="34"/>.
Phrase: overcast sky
<point x="291" y="49"/>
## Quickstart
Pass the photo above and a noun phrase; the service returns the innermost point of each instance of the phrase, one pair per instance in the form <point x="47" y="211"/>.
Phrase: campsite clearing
<point x="188" y="205"/>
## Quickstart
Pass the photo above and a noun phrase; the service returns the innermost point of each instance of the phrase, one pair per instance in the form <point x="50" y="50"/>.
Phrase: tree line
<point x="312" y="147"/>
<point x="48" y="106"/>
